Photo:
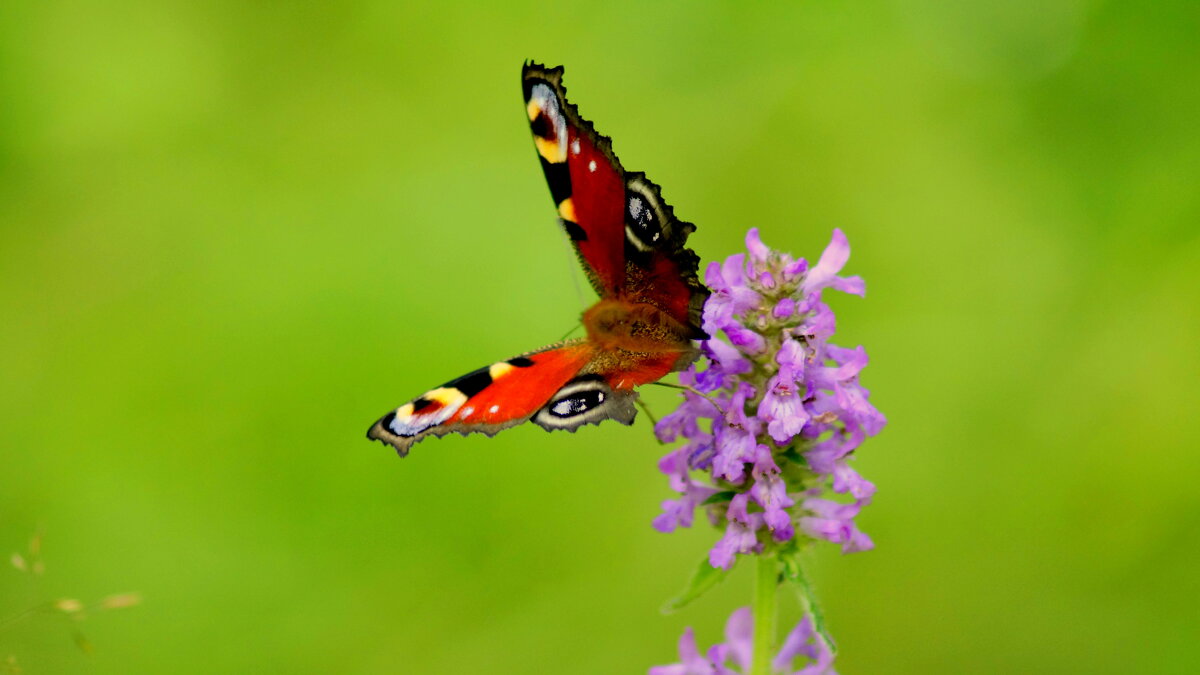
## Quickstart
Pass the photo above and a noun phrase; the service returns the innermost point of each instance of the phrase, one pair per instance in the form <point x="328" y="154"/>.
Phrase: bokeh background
<point x="234" y="234"/>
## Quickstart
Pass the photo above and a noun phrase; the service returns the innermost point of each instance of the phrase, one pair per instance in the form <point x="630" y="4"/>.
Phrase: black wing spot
<point x="520" y="362"/>
<point x="472" y="383"/>
<point x="541" y="127"/>
<point x="574" y="231"/>
<point x="643" y="224"/>
<point x="418" y="405"/>
<point x="386" y="422"/>
<point x="558" y="177"/>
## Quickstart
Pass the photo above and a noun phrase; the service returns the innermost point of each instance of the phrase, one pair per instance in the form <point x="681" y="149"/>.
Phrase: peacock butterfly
<point x="632" y="249"/>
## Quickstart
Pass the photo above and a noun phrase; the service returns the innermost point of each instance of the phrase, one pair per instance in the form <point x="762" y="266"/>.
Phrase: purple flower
<point x="834" y="522"/>
<point x="770" y="493"/>
<point x="775" y="412"/>
<point x="771" y="421"/>
<point x="759" y="252"/>
<point x="739" y="538"/>
<point x="802" y="641"/>
<point x="831" y="262"/>
<point x="730" y="295"/>
<point x="782" y="407"/>
<point x="684" y="421"/>
<point x="692" y="662"/>
<point x="846" y="479"/>
<point x="679" y="512"/>
<point x="725" y="362"/>
<point x="735" y="447"/>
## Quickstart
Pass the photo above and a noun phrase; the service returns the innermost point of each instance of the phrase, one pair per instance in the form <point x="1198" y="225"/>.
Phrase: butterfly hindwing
<point x="586" y="399"/>
<point x="661" y="270"/>
<point x="551" y="386"/>
<point x="627" y="236"/>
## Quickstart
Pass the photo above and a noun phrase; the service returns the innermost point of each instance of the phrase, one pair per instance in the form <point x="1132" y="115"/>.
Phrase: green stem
<point x="21" y="616"/>
<point x="764" y="614"/>
<point x="809" y="605"/>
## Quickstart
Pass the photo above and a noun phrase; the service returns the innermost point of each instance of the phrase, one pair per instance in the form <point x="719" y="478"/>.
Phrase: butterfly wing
<point x="586" y="180"/>
<point x="631" y="244"/>
<point x="633" y="249"/>
<point x="553" y="386"/>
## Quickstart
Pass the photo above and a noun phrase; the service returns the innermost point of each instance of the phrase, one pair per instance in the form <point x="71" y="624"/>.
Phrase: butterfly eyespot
<point x="638" y="214"/>
<point x="578" y="404"/>
<point x="547" y="123"/>
<point x="643" y="215"/>
<point x="587" y="399"/>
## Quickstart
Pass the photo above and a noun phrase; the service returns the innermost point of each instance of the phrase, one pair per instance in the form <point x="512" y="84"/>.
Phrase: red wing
<point x="628" y="238"/>
<point x="557" y="387"/>
<point x="634" y="371"/>
<point x="486" y="400"/>
<point x="561" y="387"/>
<point x="586" y="181"/>
<point x="660" y="270"/>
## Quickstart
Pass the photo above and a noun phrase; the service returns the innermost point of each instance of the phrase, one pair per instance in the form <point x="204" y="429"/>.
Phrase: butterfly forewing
<point x="627" y="236"/>
<point x="586" y="181"/>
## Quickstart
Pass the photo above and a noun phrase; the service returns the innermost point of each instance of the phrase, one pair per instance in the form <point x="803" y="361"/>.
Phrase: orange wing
<point x="552" y="386"/>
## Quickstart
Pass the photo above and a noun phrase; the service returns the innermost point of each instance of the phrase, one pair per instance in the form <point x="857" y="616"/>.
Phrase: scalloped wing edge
<point x="686" y="259"/>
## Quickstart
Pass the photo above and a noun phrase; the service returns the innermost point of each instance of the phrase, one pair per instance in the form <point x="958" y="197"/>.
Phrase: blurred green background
<point x="234" y="234"/>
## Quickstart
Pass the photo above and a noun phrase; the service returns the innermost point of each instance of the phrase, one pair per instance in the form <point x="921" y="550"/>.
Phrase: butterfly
<point x="632" y="249"/>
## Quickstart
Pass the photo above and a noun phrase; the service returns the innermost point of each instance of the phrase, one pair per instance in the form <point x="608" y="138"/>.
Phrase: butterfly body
<point x="632" y="249"/>
<point x="621" y="325"/>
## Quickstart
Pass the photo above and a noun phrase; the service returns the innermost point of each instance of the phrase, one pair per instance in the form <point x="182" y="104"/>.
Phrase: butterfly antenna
<point x="682" y="387"/>
<point x="653" y="420"/>
<point x="573" y="267"/>
<point x="568" y="333"/>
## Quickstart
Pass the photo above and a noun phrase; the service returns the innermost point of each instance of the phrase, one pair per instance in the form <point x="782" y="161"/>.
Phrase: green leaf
<point x="705" y="577"/>
<point x="794" y="572"/>
<point x="719" y="497"/>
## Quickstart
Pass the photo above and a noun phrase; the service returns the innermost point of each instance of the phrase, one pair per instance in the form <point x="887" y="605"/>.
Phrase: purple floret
<point x="772" y="417"/>
<point x="775" y="412"/>
<point x="733" y="657"/>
